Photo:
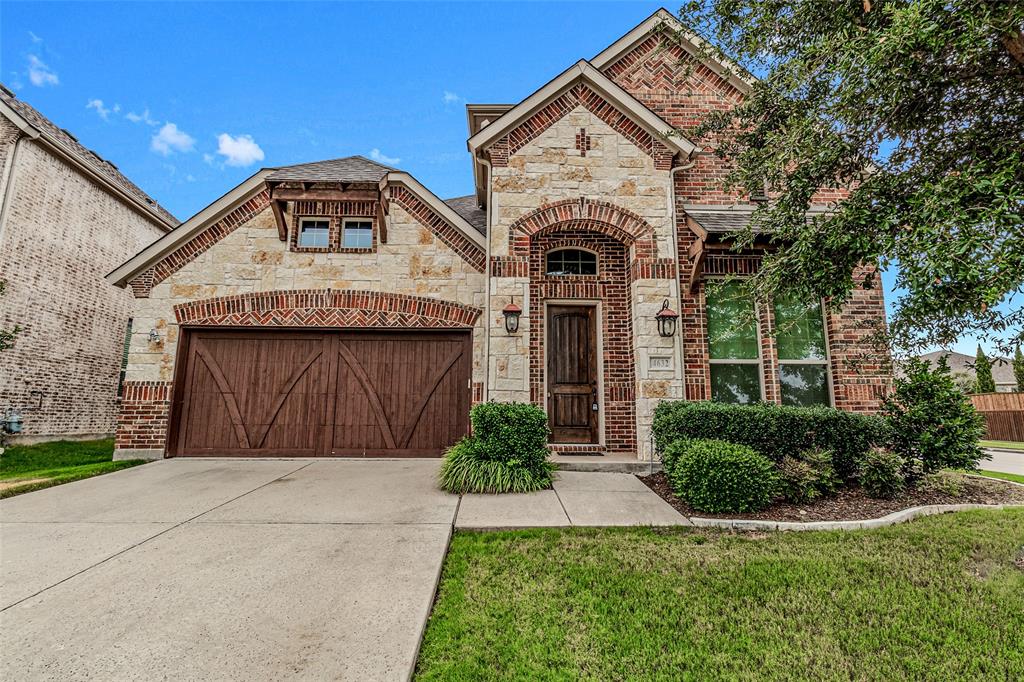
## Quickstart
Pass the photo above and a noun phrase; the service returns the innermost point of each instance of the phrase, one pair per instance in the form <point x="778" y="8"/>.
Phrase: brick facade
<point x="61" y="233"/>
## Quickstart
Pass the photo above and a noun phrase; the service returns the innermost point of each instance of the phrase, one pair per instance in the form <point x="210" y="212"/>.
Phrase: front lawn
<point x="938" y="598"/>
<point x="1016" y="478"/>
<point x="1004" y="444"/>
<point x="24" y="468"/>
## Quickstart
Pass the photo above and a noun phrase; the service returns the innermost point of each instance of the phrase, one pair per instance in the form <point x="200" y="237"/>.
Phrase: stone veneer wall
<point x="581" y="156"/>
<point x="247" y="259"/>
<point x="61" y="234"/>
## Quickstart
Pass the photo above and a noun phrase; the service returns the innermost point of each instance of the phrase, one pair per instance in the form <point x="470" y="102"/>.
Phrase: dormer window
<point x="314" y="233"/>
<point x="357" y="234"/>
<point x="571" y="262"/>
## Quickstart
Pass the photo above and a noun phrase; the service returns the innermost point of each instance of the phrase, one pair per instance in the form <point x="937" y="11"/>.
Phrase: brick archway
<point x="584" y="215"/>
<point x="326" y="308"/>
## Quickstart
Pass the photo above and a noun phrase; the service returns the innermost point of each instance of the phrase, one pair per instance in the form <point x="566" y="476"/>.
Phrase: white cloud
<point x="238" y="151"/>
<point x="144" y="117"/>
<point x="208" y="158"/>
<point x="450" y="97"/>
<point x="170" y="140"/>
<point x="40" y="74"/>
<point x="35" y="39"/>
<point x="101" y="110"/>
<point x="376" y="155"/>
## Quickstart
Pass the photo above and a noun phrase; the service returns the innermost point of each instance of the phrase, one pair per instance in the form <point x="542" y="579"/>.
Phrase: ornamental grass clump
<point x="719" y="477"/>
<point x="507" y="452"/>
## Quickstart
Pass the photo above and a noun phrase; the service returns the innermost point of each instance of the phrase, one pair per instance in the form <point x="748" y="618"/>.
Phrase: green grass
<point x="1005" y="444"/>
<point x="1016" y="478"/>
<point x="938" y="598"/>
<point x="57" y="462"/>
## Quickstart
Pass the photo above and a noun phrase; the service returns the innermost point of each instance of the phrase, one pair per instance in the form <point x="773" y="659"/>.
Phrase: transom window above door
<point x="314" y="233"/>
<point x="571" y="262"/>
<point x="357" y="234"/>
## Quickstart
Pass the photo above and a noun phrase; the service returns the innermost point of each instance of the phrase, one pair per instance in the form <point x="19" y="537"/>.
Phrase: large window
<point x="571" y="262"/>
<point x="314" y="233"/>
<point x="733" y="346"/>
<point x="357" y="234"/>
<point x="803" y="360"/>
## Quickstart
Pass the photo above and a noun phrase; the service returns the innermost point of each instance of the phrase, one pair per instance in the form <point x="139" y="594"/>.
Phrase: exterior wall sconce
<point x="154" y="336"/>
<point x="512" y="313"/>
<point x="666" y="318"/>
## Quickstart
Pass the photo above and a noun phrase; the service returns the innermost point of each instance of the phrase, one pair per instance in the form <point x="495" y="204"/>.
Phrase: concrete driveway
<point x="220" y="569"/>
<point x="1007" y="461"/>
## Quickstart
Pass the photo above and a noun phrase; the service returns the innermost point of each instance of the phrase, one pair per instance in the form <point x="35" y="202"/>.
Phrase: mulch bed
<point x="852" y="504"/>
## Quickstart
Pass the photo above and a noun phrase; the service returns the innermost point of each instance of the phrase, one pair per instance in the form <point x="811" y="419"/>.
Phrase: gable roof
<point x="257" y="183"/>
<point x="469" y="208"/>
<point x="348" y="169"/>
<point x="585" y="72"/>
<point x="38" y="127"/>
<point x="696" y="46"/>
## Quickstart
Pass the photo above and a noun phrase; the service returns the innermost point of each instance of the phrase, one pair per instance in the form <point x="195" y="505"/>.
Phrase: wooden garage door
<point x="354" y="394"/>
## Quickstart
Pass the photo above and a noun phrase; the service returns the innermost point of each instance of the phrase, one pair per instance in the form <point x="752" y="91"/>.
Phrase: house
<point x="341" y="308"/>
<point x="67" y="217"/>
<point x="961" y="365"/>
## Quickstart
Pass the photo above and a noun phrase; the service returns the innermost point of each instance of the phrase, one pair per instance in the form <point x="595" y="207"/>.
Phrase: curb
<point x="636" y="468"/>
<point x="892" y="519"/>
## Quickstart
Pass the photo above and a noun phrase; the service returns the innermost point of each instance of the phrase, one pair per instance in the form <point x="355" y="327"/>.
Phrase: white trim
<point x="582" y="70"/>
<point x="758" y="338"/>
<point x="302" y="221"/>
<point x="357" y="219"/>
<point x="827" y="360"/>
<point x="690" y="42"/>
<point x="439" y="207"/>
<point x="171" y="241"/>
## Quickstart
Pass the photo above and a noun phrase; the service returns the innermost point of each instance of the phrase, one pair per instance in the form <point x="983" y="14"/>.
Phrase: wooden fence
<point x="1003" y="413"/>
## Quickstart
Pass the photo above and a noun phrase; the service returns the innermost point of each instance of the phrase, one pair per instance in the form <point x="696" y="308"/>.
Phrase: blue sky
<point x="188" y="99"/>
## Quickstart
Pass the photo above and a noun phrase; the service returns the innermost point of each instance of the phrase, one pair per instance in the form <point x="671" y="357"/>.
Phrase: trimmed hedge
<point x="717" y="477"/>
<point x="773" y="430"/>
<point x="507" y="452"/>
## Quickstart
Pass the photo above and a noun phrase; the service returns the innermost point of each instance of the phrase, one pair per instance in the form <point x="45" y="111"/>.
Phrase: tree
<point x="917" y="106"/>
<point x="1018" y="369"/>
<point x="983" y="372"/>
<point x="7" y="335"/>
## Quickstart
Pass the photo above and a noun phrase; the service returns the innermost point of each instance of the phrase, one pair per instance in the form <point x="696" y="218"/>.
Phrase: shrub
<point x="807" y="477"/>
<point x="715" y="476"/>
<point x="882" y="474"/>
<point x="932" y="423"/>
<point x="943" y="482"/>
<point x="773" y="430"/>
<point x="507" y="452"/>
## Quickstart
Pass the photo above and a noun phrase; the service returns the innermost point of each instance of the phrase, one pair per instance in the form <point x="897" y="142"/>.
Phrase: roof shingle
<point x="468" y="208"/>
<point x="348" y="169"/>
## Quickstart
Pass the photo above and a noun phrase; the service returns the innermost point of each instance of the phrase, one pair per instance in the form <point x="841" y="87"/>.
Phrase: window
<point x="571" y="262"/>
<point x="357" y="234"/>
<point x="734" y="349"/>
<point x="124" y="358"/>
<point x="314" y="233"/>
<point x="803" y="361"/>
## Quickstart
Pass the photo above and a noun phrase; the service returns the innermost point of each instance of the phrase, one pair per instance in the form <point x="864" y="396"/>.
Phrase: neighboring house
<point x="67" y="217"/>
<point x="961" y="365"/>
<point x="340" y="308"/>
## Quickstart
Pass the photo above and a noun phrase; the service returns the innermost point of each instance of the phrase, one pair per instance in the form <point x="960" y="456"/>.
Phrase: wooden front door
<point x="573" y="402"/>
<point x="307" y="393"/>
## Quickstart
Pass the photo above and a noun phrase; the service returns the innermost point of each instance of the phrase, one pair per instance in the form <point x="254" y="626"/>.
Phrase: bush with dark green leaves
<point x="933" y="425"/>
<point x="807" y="476"/>
<point x="507" y="452"/>
<point x="882" y="474"/>
<point x="773" y="430"/>
<point x="719" y="477"/>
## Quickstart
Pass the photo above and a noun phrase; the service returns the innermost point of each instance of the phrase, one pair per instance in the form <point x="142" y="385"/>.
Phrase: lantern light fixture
<point x="666" y="319"/>
<point x="512" y="313"/>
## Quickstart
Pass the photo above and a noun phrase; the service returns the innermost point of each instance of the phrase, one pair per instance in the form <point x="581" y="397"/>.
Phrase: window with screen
<point x="734" y="350"/>
<point x="314" y="233"/>
<point x="357" y="234"/>
<point x="803" y="358"/>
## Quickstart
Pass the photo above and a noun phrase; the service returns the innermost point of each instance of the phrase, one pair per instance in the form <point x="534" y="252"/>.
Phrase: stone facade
<point x="61" y="233"/>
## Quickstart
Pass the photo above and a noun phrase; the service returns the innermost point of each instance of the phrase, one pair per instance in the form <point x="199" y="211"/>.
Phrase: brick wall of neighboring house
<point x="61" y="234"/>
<point x="413" y="279"/>
<point x="579" y="175"/>
<point x="681" y="91"/>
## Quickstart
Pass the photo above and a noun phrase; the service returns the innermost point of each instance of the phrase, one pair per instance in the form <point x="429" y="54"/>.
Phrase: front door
<point x="572" y="374"/>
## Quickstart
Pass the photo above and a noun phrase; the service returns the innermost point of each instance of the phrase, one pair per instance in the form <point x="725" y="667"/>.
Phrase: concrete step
<point x="610" y="463"/>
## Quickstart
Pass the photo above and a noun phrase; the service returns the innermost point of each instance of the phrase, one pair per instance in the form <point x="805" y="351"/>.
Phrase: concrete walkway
<point x="1006" y="461"/>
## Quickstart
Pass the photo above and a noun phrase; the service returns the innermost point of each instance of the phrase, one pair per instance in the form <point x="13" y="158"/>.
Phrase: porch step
<point x="609" y="463"/>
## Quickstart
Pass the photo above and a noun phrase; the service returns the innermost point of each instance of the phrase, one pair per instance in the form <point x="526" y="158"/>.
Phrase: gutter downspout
<point x="9" y="177"/>
<point x="486" y="393"/>
<point x="691" y="161"/>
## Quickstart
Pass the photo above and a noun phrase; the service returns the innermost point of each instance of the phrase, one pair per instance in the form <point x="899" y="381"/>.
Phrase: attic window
<point x="357" y="234"/>
<point x="314" y="233"/>
<point x="571" y="262"/>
